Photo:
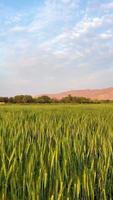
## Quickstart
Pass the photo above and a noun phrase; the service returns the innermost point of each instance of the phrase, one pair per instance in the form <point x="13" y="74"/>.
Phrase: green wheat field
<point x="56" y="152"/>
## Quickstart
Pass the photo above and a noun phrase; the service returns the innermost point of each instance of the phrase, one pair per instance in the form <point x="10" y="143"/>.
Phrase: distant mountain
<point x="99" y="94"/>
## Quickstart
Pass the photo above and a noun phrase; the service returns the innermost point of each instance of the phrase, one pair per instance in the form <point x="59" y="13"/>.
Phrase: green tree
<point x="43" y="99"/>
<point x="23" y="99"/>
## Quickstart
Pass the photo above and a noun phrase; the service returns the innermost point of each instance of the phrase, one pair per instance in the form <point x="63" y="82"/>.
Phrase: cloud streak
<point x="58" y="45"/>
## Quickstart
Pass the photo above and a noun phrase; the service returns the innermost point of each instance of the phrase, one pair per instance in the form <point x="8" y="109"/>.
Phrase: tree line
<point x="27" y="99"/>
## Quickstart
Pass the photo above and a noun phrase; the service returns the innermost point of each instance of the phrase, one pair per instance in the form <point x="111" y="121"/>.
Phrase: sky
<point x="49" y="46"/>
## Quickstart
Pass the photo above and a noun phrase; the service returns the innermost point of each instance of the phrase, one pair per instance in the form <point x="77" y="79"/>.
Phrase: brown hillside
<point x="99" y="94"/>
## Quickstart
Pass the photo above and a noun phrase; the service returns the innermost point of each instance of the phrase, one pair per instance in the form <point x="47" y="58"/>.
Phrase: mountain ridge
<point x="94" y="94"/>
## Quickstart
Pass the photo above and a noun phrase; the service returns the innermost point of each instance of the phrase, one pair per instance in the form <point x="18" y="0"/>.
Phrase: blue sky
<point x="48" y="46"/>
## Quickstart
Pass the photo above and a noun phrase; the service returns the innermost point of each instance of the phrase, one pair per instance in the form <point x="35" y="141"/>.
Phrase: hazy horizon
<point x="59" y="92"/>
<point x="50" y="46"/>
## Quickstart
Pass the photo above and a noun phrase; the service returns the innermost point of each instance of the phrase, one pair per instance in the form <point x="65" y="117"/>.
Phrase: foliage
<point x="43" y="99"/>
<point x="70" y="99"/>
<point x="24" y="99"/>
<point x="4" y="99"/>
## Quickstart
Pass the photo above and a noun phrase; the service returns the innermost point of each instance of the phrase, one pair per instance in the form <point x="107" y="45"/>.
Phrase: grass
<point x="56" y="152"/>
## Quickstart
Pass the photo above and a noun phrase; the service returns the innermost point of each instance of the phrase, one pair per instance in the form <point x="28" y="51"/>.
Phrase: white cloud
<point x="106" y="36"/>
<point x="54" y="49"/>
<point x="18" y="29"/>
<point x="108" y="5"/>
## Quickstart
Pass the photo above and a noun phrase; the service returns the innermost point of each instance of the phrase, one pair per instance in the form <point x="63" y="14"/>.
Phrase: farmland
<point x="56" y="152"/>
